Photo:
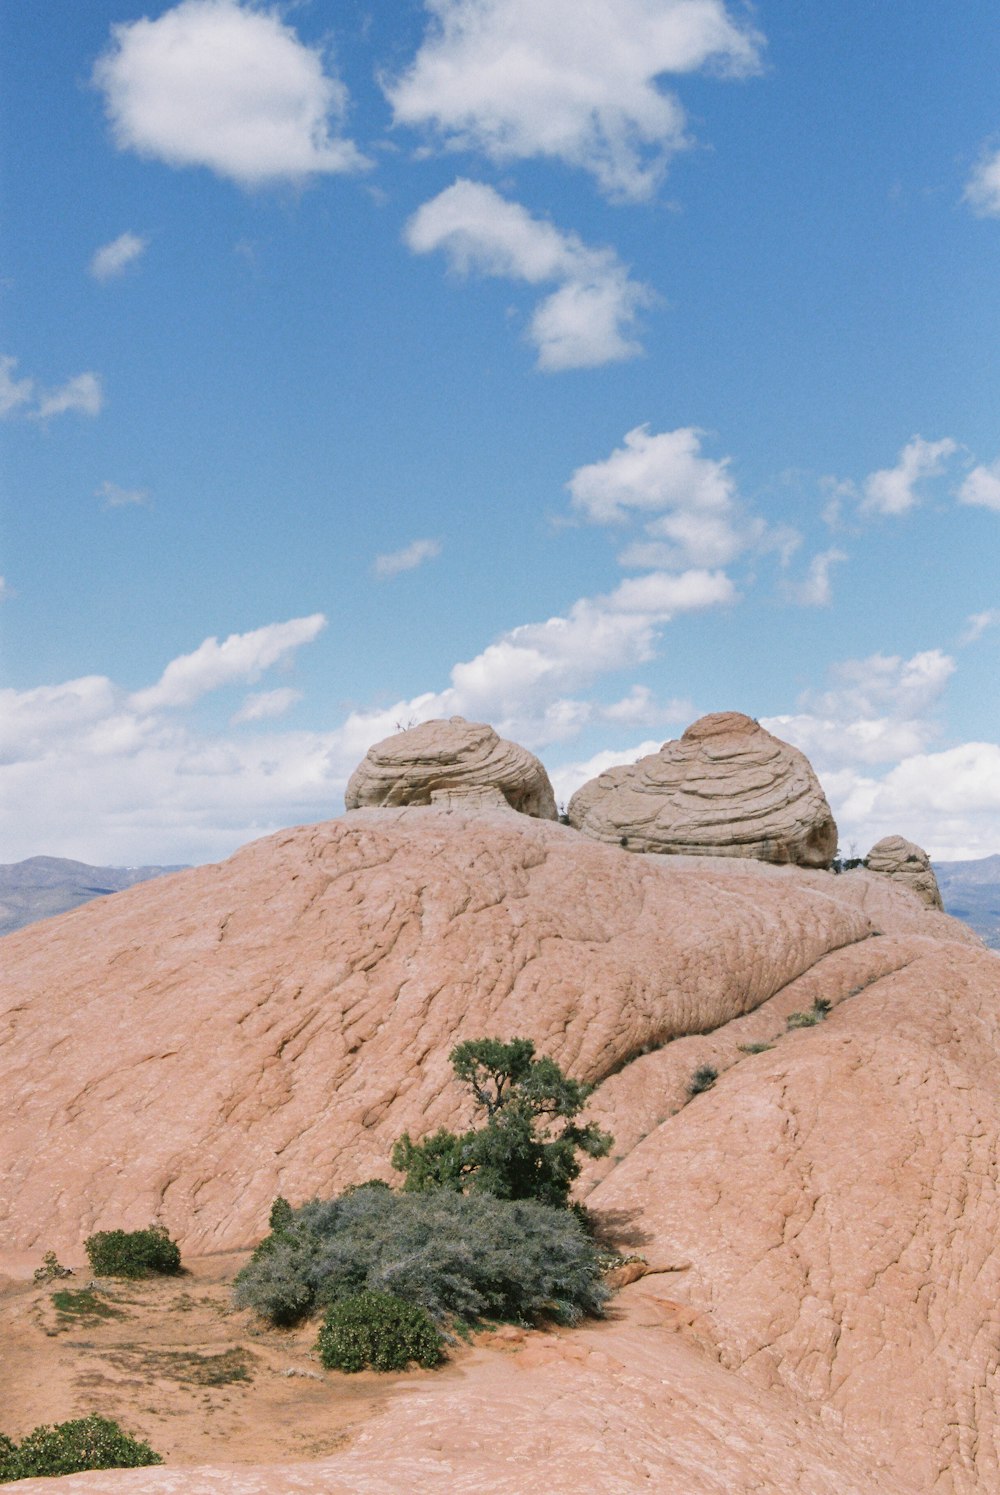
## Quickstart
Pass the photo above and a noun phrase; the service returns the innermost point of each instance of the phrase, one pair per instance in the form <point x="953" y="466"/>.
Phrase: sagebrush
<point x="461" y="1257"/>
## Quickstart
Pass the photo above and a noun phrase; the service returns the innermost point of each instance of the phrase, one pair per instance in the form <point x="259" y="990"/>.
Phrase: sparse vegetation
<point x="84" y="1303"/>
<point x="132" y="1253"/>
<point x="51" y="1269"/>
<point x="460" y="1257"/>
<point x="755" y="1048"/>
<point x="72" y="1447"/>
<point x="816" y="1013"/>
<point x="378" y="1330"/>
<point x="703" y="1078"/>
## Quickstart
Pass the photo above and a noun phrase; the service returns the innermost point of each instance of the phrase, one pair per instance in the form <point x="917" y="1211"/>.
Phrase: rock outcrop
<point x="726" y="788"/>
<point x="907" y="864"/>
<point x="819" y="1228"/>
<point x="446" y="760"/>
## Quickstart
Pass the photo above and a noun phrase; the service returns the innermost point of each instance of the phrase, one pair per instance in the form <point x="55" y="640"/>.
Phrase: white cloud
<point x="577" y="80"/>
<point x="242" y="656"/>
<point x="14" y="393"/>
<point x="112" y="260"/>
<point x="977" y="623"/>
<point x="396" y="561"/>
<point x="982" y="486"/>
<point x="6" y="590"/>
<point x="121" y="498"/>
<point x="82" y="394"/>
<point x="815" y="590"/>
<point x="893" y="489"/>
<point x="570" y="777"/>
<point x="266" y="705"/>
<point x="229" y="86"/>
<point x="586" y="321"/>
<point x="982" y="191"/>
<point x="879" y="710"/>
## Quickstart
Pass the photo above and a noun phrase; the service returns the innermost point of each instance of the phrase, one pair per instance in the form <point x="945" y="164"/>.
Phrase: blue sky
<point x="579" y="367"/>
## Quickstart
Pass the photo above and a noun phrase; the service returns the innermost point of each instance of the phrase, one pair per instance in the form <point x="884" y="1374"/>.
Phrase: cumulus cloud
<point x="892" y="490"/>
<point x="266" y="705"/>
<point x="242" y="656"/>
<point x="982" y="487"/>
<point x="815" y="590"/>
<point x="586" y="321"/>
<point x="878" y="709"/>
<point x="570" y="777"/>
<point x="113" y="259"/>
<point x="977" y="623"/>
<point x="982" y="190"/>
<point x="83" y="394"/>
<point x="393" y="562"/>
<point x="114" y="497"/>
<point x="577" y="80"/>
<point x="229" y="86"/>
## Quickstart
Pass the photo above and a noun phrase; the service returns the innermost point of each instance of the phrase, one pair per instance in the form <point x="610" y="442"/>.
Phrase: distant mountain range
<point x="971" y="891"/>
<point x="43" y="886"/>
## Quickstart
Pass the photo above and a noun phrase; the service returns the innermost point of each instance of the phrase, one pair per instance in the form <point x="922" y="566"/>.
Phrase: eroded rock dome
<point x="446" y="760"/>
<point x="725" y="788"/>
<point x="907" y="864"/>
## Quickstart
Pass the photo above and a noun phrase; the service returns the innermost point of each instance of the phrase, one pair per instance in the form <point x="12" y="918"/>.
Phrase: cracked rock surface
<point x="820" y="1226"/>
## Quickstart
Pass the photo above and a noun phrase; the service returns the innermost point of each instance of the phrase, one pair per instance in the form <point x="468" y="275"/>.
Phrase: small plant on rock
<point x="380" y="1330"/>
<point x="72" y="1447"/>
<point x="51" y="1269"/>
<point x="816" y="1013"/>
<point x="132" y="1253"/>
<point x="703" y="1078"/>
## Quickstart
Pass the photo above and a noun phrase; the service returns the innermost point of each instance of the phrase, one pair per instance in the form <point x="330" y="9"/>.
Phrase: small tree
<point x="529" y="1147"/>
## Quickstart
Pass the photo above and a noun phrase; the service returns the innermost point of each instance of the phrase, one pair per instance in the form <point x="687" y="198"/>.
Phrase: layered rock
<point x="907" y="864"/>
<point x="726" y="788"/>
<point x="442" y="761"/>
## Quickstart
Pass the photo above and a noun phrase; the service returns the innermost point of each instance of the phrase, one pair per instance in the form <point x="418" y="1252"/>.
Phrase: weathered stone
<point x="907" y="864"/>
<point x="726" y="788"/>
<point x="443" y="760"/>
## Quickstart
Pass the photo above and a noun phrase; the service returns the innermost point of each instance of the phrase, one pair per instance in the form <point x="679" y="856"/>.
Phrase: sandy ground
<point x="171" y="1361"/>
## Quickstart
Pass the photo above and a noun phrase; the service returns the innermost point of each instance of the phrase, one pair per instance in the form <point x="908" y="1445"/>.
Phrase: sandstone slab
<point x="907" y="864"/>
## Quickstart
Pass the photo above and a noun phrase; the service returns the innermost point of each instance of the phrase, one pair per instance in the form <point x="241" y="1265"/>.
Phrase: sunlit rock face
<point x="726" y="788"/>
<point x="444" y="761"/>
<point x="907" y="864"/>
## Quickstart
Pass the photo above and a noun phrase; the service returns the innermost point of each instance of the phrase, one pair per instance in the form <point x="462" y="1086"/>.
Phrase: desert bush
<point x="754" y="1048"/>
<point x="380" y="1330"/>
<point x="703" y="1078"/>
<point x="71" y="1447"/>
<point x="132" y="1253"/>
<point x="51" y="1268"/>
<point x="529" y="1145"/>
<point x="457" y="1256"/>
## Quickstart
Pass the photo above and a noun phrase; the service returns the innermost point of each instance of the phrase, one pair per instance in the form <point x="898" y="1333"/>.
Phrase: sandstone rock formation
<point x="908" y="864"/>
<point x="820" y="1227"/>
<point x="726" y="788"/>
<point x="444" y="760"/>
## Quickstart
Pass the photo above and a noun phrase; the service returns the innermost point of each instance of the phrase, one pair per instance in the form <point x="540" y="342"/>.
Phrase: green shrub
<point x="71" y="1447"/>
<point x="754" y="1048"/>
<point x="703" y="1078"/>
<point x="529" y="1145"/>
<point x="458" y="1256"/>
<point x="132" y="1253"/>
<point x="380" y="1330"/>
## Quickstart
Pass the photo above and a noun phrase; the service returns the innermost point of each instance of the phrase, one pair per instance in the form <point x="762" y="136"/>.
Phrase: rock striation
<point x="442" y="761"/>
<point x="726" y="788"/>
<point x="907" y="864"/>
